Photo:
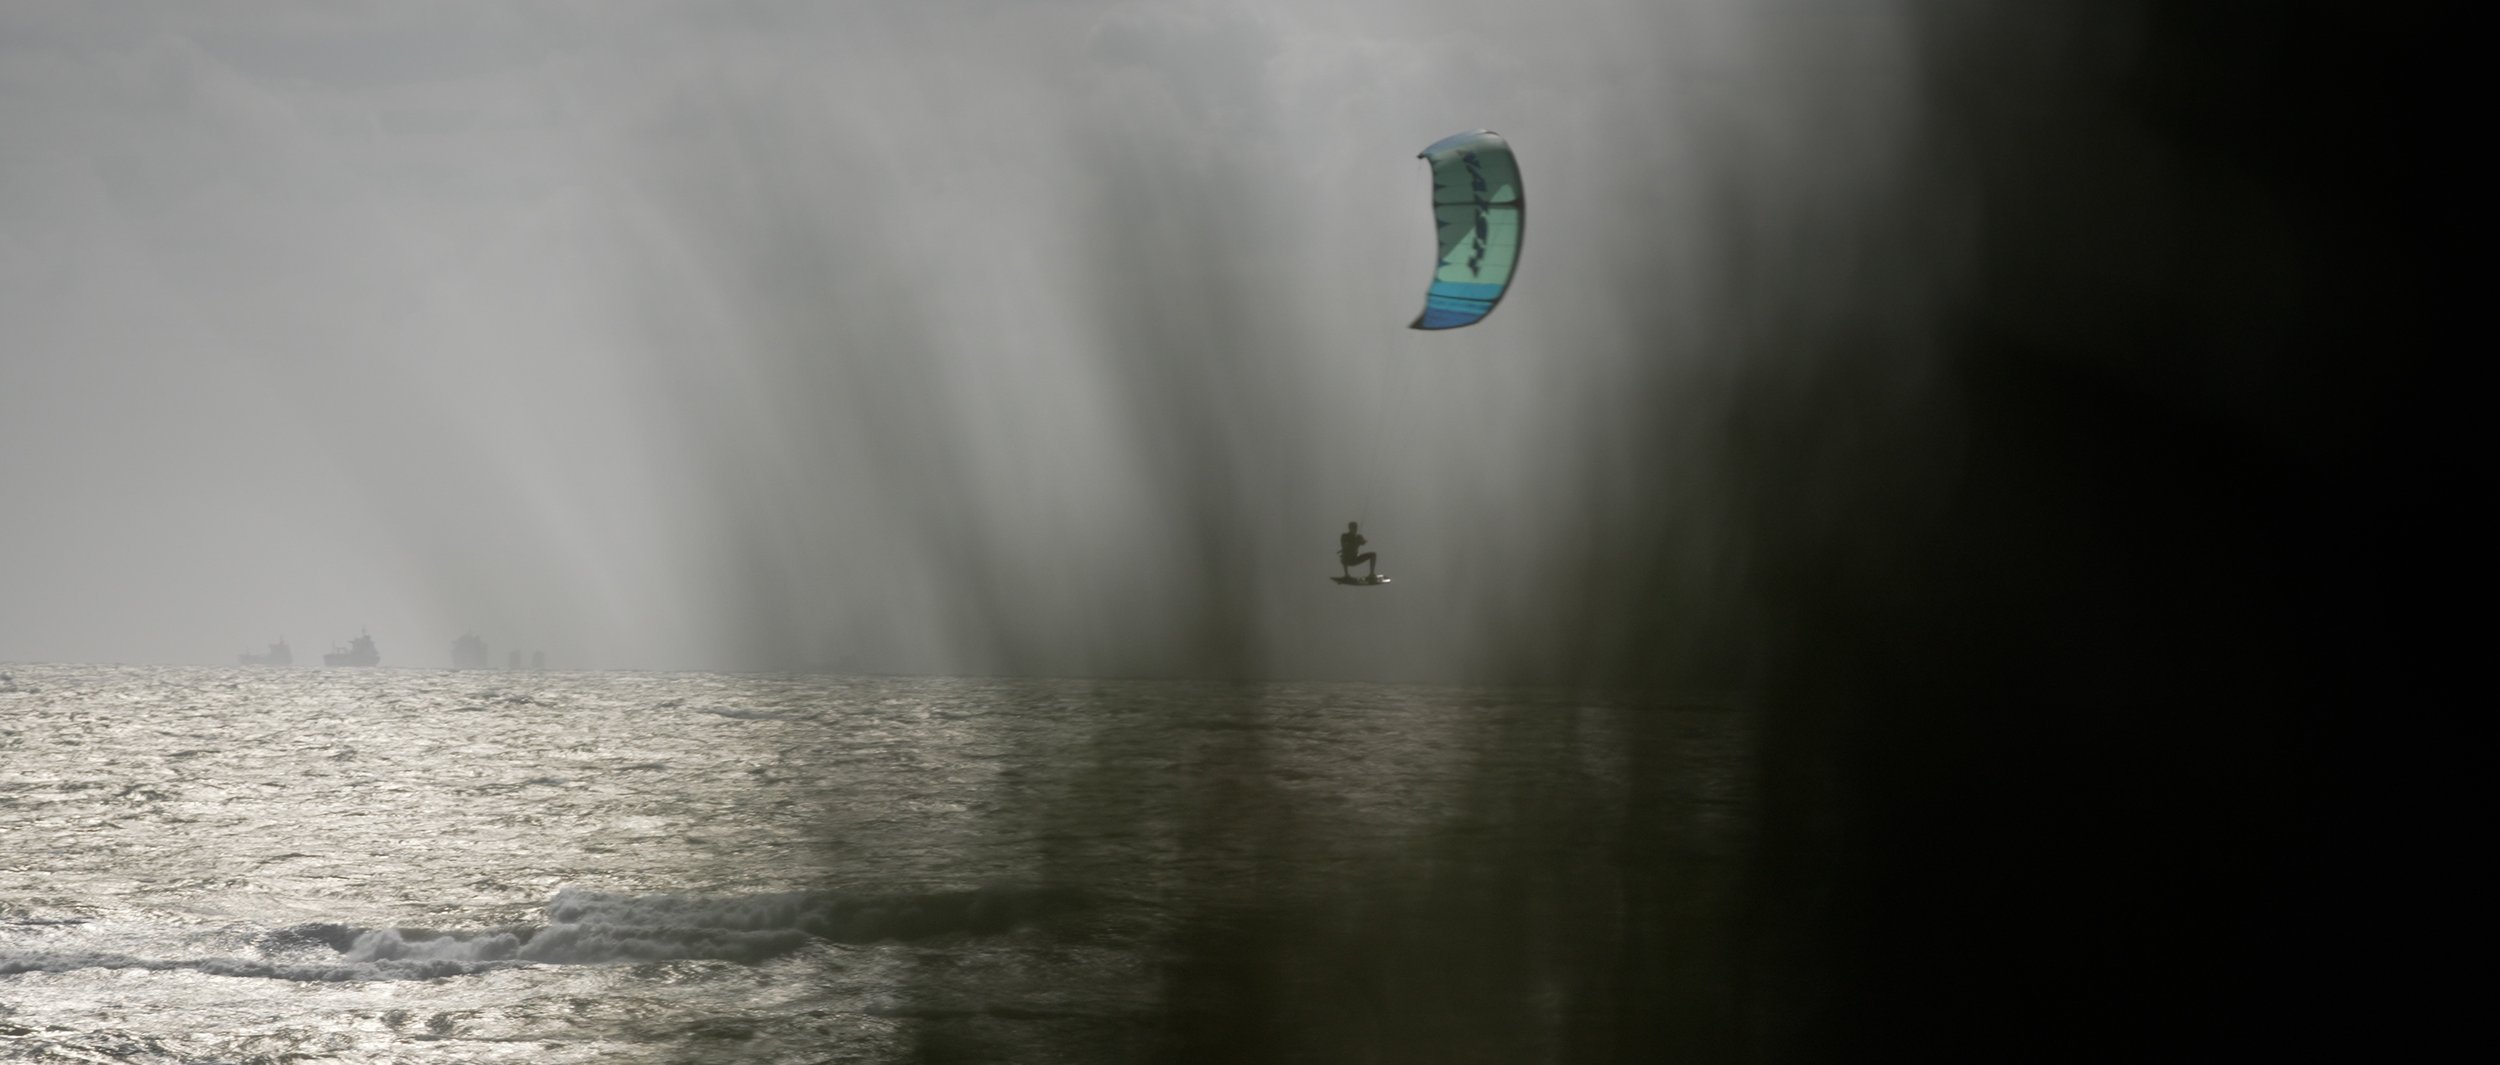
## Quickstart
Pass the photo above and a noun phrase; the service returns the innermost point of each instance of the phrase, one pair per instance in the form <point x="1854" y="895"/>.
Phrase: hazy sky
<point x="1060" y="337"/>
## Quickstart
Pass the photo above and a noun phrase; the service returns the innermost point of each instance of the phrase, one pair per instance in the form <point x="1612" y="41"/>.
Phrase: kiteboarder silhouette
<point x="1350" y="551"/>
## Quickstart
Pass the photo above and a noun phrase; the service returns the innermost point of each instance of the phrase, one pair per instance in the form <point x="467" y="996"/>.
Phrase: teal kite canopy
<point x="1477" y="206"/>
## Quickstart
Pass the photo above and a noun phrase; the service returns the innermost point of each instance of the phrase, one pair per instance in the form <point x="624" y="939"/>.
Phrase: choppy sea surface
<point x="321" y="865"/>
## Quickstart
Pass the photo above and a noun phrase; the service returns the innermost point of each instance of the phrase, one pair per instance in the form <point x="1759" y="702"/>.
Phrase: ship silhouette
<point x="278" y="655"/>
<point x="360" y="652"/>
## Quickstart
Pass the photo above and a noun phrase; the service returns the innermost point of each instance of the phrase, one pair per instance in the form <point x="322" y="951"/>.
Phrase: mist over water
<point x="943" y="337"/>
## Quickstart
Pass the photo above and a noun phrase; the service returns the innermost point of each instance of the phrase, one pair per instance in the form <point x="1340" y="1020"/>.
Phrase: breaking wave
<point x="744" y="714"/>
<point x="594" y="928"/>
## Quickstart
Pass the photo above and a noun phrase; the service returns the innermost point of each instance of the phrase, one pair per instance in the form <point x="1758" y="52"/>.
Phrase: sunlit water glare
<point x="205" y="865"/>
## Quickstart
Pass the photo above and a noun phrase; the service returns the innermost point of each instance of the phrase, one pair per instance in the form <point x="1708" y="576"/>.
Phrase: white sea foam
<point x="391" y="944"/>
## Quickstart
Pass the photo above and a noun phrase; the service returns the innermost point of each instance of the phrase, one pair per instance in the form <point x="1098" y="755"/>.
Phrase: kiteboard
<point x="1360" y="580"/>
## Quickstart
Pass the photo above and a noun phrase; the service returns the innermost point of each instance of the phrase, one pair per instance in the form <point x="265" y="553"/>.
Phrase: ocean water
<point x="306" y="865"/>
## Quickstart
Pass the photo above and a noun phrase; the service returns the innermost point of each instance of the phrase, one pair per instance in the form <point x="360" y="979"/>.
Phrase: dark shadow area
<point x="1346" y="872"/>
<point x="2108" y="694"/>
<point x="2094" y="612"/>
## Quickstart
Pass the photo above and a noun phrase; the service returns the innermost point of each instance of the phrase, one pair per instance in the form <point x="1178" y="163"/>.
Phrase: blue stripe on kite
<point x="1463" y="290"/>
<point x="1447" y="310"/>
